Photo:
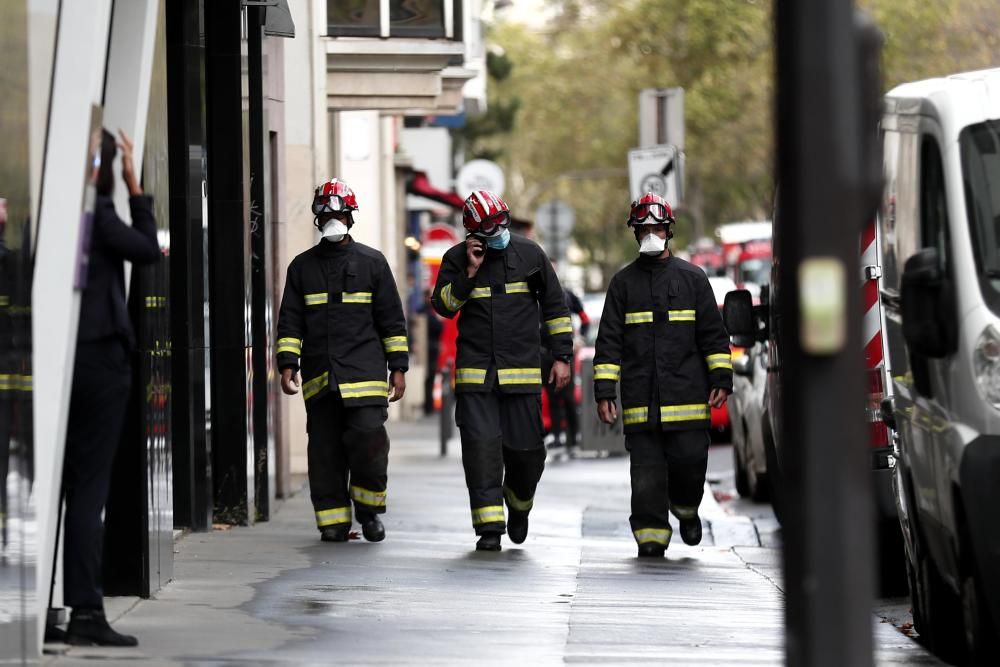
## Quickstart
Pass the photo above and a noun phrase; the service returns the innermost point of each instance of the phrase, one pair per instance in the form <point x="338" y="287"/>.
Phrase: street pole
<point x="554" y="230"/>
<point x="825" y="189"/>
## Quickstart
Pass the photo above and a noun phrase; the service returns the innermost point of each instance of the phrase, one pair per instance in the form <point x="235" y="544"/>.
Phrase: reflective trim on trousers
<point x="607" y="372"/>
<point x="683" y="512"/>
<point x="332" y="517"/>
<point x="653" y="535"/>
<point x="684" y="413"/>
<point x="366" y="497"/>
<point x="488" y="514"/>
<point x="516" y="503"/>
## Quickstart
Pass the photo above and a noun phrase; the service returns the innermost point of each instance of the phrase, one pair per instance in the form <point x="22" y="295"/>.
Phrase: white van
<point x="940" y="288"/>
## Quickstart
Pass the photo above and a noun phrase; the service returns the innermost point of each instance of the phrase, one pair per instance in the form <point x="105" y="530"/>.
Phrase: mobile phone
<point x="478" y="252"/>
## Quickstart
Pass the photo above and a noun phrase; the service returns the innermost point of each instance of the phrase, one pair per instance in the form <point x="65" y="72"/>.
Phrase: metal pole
<point x="828" y="552"/>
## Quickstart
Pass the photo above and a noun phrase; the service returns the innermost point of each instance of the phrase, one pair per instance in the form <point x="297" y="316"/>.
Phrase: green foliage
<point x="571" y="93"/>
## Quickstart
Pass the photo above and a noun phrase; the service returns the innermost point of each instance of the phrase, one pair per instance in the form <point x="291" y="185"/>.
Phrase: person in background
<point x="562" y="404"/>
<point x="434" y="329"/>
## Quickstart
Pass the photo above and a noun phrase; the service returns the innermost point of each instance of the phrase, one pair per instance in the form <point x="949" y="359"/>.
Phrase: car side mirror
<point x="763" y="315"/>
<point x="737" y="313"/>
<point x="927" y="308"/>
<point x="743" y="365"/>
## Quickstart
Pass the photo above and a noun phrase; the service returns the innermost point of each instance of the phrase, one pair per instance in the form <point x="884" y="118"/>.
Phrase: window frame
<point x="384" y="30"/>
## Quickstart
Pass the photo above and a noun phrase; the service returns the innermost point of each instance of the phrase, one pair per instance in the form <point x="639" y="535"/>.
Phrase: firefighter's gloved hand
<point x="398" y="385"/>
<point x="290" y="381"/>
<point x="607" y="411"/>
<point x="475" y="252"/>
<point x="718" y="397"/>
<point x="559" y="375"/>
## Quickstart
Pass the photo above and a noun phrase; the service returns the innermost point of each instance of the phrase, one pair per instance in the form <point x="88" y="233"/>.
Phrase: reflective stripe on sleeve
<point x="16" y="382"/>
<point x="684" y="413"/>
<point x="332" y="517"/>
<point x="293" y="345"/>
<point x="681" y="315"/>
<point x="364" y="389"/>
<point x="365" y="497"/>
<point x="314" y="386"/>
<point x="480" y="293"/>
<point x="516" y="503"/>
<point x="395" y="344"/>
<point x="716" y="361"/>
<point x="356" y="297"/>
<point x="559" y="325"/>
<point x="520" y="375"/>
<point x="450" y="302"/>
<point x="607" y="372"/>
<point x="489" y="514"/>
<point x="643" y="317"/>
<point x="635" y="415"/>
<point x="517" y="288"/>
<point x="316" y="299"/>
<point x="470" y="376"/>
<point x="653" y="535"/>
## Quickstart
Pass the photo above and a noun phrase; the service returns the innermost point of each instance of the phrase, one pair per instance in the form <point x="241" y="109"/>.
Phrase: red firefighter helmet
<point x="485" y="213"/>
<point x="334" y="196"/>
<point x="650" y="209"/>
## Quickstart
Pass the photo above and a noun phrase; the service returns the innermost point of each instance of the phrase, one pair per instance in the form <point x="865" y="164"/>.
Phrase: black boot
<point x="89" y="627"/>
<point x="372" y="529"/>
<point x="691" y="531"/>
<point x="651" y="550"/>
<point x="339" y="533"/>
<point x="517" y="526"/>
<point x="488" y="542"/>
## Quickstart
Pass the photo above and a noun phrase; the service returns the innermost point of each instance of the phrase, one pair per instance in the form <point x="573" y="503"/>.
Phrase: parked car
<point x="746" y="413"/>
<point x="940" y="231"/>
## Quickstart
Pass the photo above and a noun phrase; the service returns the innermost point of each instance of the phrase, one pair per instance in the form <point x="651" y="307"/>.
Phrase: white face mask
<point x="652" y="244"/>
<point x="335" y="230"/>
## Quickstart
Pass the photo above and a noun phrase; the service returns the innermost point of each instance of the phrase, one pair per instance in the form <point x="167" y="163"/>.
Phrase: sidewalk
<point x="574" y="592"/>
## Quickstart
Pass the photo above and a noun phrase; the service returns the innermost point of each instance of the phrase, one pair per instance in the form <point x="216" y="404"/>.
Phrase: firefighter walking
<point x="662" y="336"/>
<point x="499" y="283"/>
<point x="341" y="322"/>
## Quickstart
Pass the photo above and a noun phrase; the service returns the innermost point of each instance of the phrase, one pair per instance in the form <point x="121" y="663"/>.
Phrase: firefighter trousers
<point x="348" y="455"/>
<point x="668" y="475"/>
<point x="502" y="452"/>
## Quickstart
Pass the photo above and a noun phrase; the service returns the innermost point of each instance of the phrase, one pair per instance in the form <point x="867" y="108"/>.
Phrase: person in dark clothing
<point x="434" y="329"/>
<point x="662" y="335"/>
<point x="562" y="403"/>
<point x="102" y="377"/>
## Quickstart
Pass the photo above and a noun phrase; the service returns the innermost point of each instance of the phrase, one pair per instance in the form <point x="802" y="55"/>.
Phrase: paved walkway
<point x="574" y="592"/>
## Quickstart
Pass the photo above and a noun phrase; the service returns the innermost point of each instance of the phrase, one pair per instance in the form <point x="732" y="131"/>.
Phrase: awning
<point x="421" y="186"/>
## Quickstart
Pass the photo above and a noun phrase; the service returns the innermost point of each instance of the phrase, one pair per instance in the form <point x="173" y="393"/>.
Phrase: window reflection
<point x="417" y="18"/>
<point x="358" y="18"/>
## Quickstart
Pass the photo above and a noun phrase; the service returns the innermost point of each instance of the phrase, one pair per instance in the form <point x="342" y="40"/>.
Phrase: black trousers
<point x="102" y="377"/>
<point x="668" y="475"/>
<point x="348" y="455"/>
<point x="502" y="452"/>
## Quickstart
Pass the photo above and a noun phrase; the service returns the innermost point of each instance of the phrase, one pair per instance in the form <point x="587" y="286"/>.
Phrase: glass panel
<point x="416" y="18"/>
<point x="981" y="166"/>
<point x="352" y="18"/>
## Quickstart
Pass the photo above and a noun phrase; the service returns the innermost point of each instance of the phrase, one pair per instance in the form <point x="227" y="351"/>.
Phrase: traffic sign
<point x="656" y="169"/>
<point x="555" y="221"/>
<point x="480" y="175"/>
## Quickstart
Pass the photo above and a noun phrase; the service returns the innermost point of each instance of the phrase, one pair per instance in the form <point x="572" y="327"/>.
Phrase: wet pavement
<point x="574" y="592"/>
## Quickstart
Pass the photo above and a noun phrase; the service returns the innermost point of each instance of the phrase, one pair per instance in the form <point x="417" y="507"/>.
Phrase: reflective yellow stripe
<point x="370" y="498"/>
<point x="4" y="301"/>
<point x="333" y="516"/>
<point x="639" y="318"/>
<point x="470" y="376"/>
<point x="293" y="345"/>
<point x="316" y="299"/>
<point x="684" y="413"/>
<point x="395" y="344"/>
<point x="313" y="387"/>
<point x="156" y="301"/>
<point x="356" y="297"/>
<point x="607" y="372"/>
<point x="516" y="503"/>
<point x="656" y="535"/>
<point x="450" y="302"/>
<point x="520" y="375"/>
<point x="682" y="512"/>
<point x="23" y="383"/>
<point x="635" y="415"/>
<point x="363" y="389"/>
<point x="559" y="325"/>
<point x="681" y="315"/>
<point x="481" y="293"/>
<point x="715" y="361"/>
<point x="489" y="514"/>
<point x="517" y="288"/>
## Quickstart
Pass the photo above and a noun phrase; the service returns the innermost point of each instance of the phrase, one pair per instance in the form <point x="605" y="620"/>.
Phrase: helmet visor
<point x="641" y="212"/>
<point x="329" y="204"/>
<point x="494" y="223"/>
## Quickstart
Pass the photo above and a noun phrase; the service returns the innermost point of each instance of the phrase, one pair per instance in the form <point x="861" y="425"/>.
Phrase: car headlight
<point x="986" y="364"/>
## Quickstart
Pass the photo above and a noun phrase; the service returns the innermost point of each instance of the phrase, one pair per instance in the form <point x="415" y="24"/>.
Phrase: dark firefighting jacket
<point x="341" y="321"/>
<point x="498" y="338"/>
<point x="662" y="336"/>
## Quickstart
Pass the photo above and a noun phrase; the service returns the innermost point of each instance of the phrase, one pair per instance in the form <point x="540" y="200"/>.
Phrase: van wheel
<point x="760" y="489"/>
<point x="740" y="472"/>
<point x="775" y="482"/>
<point x="941" y="613"/>
<point x="892" y="569"/>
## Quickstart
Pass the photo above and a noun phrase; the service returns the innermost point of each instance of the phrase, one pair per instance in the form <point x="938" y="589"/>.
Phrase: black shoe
<point x="54" y="635"/>
<point x="339" y="533"/>
<point x="90" y="628"/>
<point x="691" y="531"/>
<point x="373" y="530"/>
<point x="517" y="526"/>
<point x="488" y="542"/>
<point x="651" y="550"/>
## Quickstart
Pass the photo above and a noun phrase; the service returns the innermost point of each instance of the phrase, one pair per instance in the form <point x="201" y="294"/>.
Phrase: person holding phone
<point x="498" y="283"/>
